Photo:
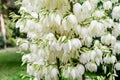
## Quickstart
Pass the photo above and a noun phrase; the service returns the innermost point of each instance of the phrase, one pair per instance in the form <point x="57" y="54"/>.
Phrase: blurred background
<point x="10" y="60"/>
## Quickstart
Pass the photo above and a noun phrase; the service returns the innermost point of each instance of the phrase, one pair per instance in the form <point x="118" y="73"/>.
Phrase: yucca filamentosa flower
<point x="70" y="38"/>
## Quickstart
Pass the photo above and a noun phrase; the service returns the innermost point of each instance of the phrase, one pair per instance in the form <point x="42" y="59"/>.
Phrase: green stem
<point x="58" y="65"/>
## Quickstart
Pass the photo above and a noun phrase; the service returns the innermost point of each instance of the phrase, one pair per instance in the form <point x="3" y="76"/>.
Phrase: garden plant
<point x="70" y="39"/>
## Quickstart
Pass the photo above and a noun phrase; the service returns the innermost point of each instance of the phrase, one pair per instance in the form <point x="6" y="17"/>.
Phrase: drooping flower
<point x="117" y="66"/>
<point x="92" y="67"/>
<point x="107" y="5"/>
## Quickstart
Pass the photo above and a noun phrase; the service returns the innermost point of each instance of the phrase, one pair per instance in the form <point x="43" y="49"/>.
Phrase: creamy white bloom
<point x="54" y="73"/>
<point x="61" y="35"/>
<point x="80" y="68"/>
<point x="65" y="26"/>
<point x="117" y="66"/>
<point x="55" y="46"/>
<point x="96" y="28"/>
<point x="108" y="39"/>
<point x="99" y="53"/>
<point x="20" y="24"/>
<point x="77" y="8"/>
<point x="30" y="69"/>
<point x="87" y="41"/>
<point x="97" y="43"/>
<point x="72" y="20"/>
<point x="26" y="58"/>
<point x="34" y="14"/>
<point x="116" y="12"/>
<point x="49" y="36"/>
<point x="92" y="67"/>
<point x="109" y="59"/>
<point x="114" y="1"/>
<point x="116" y="30"/>
<point x="84" y="58"/>
<point x="75" y="43"/>
<point x="98" y="13"/>
<point x="107" y="5"/>
<point x="58" y="19"/>
<point x="24" y="46"/>
<point x="86" y="6"/>
<point x="108" y="23"/>
<point x="116" y="48"/>
<point x="67" y="47"/>
<point x="92" y="55"/>
<point x="33" y="48"/>
<point x="73" y="73"/>
<point x="66" y="72"/>
<point x="77" y="29"/>
<point x="84" y="32"/>
<point x="31" y="35"/>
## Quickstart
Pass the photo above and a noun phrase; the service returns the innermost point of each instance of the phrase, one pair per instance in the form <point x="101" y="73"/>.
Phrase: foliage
<point x="71" y="39"/>
<point x="7" y="6"/>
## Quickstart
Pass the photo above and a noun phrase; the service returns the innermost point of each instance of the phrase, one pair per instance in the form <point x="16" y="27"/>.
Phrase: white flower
<point x="116" y="30"/>
<point x="67" y="47"/>
<point x="87" y="41"/>
<point x="107" y="5"/>
<point x="69" y="34"/>
<point x="39" y="61"/>
<point x="113" y="59"/>
<point x="96" y="28"/>
<point x="24" y="46"/>
<point x="30" y="69"/>
<point x="65" y="26"/>
<point x="33" y="48"/>
<point x="108" y="23"/>
<point x="36" y="78"/>
<point x="117" y="66"/>
<point x="99" y="53"/>
<point x="72" y="20"/>
<point x="54" y="73"/>
<point x="116" y="12"/>
<point x="84" y="32"/>
<point x="34" y="14"/>
<point x="109" y="59"/>
<point x="94" y="1"/>
<point x="114" y="1"/>
<point x="84" y="58"/>
<point x="98" y="13"/>
<point x="41" y="53"/>
<point x="80" y="68"/>
<point x="66" y="72"/>
<point x="97" y="43"/>
<point x="26" y="57"/>
<point x="20" y="24"/>
<point x="58" y="19"/>
<point x="55" y="46"/>
<point x="92" y="67"/>
<point x="116" y="48"/>
<point x="73" y="73"/>
<point x="92" y="55"/>
<point x="77" y="29"/>
<point x="49" y="36"/>
<point x="31" y="35"/>
<point x="77" y="8"/>
<point x="86" y="6"/>
<point x="108" y="39"/>
<point x="65" y="57"/>
<point x="75" y="43"/>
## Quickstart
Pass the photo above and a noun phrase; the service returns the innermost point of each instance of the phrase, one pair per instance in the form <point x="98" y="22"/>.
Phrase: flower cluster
<point x="68" y="38"/>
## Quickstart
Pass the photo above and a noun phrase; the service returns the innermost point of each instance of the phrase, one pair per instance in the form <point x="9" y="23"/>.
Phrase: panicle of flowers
<point x="67" y="38"/>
